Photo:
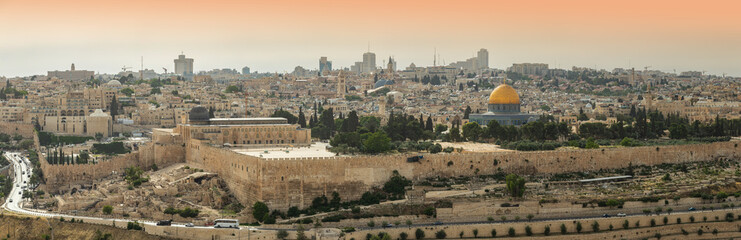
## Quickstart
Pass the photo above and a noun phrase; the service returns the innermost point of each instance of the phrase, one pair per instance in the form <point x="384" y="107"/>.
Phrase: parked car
<point x="438" y="223"/>
<point x="388" y="225"/>
<point x="164" y="222"/>
<point x="621" y="215"/>
<point x="691" y="209"/>
<point x="189" y="225"/>
<point x="606" y="215"/>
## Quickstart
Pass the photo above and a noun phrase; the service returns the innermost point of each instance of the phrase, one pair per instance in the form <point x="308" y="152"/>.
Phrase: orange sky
<point x="278" y="35"/>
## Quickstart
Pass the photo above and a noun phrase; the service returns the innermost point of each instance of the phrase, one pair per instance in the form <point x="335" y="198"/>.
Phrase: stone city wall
<point x="60" y="177"/>
<point x="282" y="183"/>
<point x="12" y="128"/>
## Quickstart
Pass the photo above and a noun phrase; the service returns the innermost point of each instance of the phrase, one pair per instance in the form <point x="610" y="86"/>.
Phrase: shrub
<point x="679" y="220"/>
<point x="511" y="232"/>
<point x="638" y="223"/>
<point x="692" y="219"/>
<point x="547" y="230"/>
<point x="595" y="226"/>
<point x="403" y="236"/>
<point x="578" y="227"/>
<point x="611" y="227"/>
<point x="475" y="233"/>
<point x="419" y="234"/>
<point x="729" y="217"/>
<point x="441" y="234"/>
<point x="371" y="224"/>
<point x="107" y="209"/>
<point x="133" y="225"/>
<point x="528" y="231"/>
<point x="563" y="228"/>
<point x="699" y="232"/>
<point x="715" y="231"/>
<point x="653" y="223"/>
<point x="493" y="233"/>
<point x="282" y="234"/>
<point x="657" y="235"/>
<point x="626" y="224"/>
<point x="684" y="232"/>
<point x="665" y="220"/>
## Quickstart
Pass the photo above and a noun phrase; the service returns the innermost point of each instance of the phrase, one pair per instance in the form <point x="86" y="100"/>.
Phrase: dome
<point x="99" y="113"/>
<point x="114" y="83"/>
<point x="198" y="113"/>
<point x="504" y="94"/>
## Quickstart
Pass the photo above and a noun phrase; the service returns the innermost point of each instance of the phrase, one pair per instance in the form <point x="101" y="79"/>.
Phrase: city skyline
<point x="104" y="36"/>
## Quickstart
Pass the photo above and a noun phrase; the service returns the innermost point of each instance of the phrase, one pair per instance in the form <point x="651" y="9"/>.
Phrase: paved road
<point x="23" y="169"/>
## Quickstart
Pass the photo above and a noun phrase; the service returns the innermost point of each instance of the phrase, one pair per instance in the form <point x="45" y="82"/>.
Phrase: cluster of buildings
<point x="66" y="102"/>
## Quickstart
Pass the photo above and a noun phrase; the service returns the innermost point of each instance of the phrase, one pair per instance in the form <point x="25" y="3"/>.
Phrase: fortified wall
<point x="61" y="177"/>
<point x="282" y="183"/>
<point x="12" y="128"/>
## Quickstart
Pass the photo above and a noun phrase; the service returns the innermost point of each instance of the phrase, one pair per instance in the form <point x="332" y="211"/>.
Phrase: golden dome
<point x="504" y="94"/>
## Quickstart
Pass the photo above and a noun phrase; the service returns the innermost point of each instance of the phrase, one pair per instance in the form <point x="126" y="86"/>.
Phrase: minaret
<point x="340" y="85"/>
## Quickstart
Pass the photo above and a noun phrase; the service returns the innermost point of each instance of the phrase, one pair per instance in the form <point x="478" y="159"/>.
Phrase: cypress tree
<point x="301" y="118"/>
<point x="429" y="125"/>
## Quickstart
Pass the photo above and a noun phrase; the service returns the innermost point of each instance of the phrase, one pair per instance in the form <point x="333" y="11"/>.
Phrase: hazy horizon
<point x="276" y="36"/>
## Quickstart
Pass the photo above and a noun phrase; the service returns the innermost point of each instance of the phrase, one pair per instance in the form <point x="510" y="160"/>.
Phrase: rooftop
<point x="318" y="149"/>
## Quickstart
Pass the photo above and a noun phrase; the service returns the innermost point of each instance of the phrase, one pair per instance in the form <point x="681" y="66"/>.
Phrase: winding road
<point x="22" y="170"/>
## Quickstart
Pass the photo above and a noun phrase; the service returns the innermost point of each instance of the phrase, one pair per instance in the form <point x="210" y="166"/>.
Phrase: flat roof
<point x="318" y="149"/>
<point x="248" y="119"/>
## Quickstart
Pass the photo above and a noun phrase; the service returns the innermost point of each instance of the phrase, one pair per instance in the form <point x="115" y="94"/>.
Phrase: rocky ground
<point x="177" y="186"/>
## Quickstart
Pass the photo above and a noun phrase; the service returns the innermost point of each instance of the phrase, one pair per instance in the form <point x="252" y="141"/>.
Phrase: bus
<point x="226" y="223"/>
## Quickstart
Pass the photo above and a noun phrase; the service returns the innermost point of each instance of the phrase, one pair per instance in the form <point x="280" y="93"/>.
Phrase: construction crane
<point x="165" y="69"/>
<point x="124" y="68"/>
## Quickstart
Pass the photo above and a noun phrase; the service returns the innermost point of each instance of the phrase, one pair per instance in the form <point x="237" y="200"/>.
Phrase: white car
<point x="621" y="215"/>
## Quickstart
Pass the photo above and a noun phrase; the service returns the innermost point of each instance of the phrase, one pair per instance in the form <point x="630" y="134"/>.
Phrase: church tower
<point x="341" y="87"/>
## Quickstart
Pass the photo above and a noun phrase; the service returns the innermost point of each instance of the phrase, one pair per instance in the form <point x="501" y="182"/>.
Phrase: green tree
<point x="284" y="114"/>
<point x="515" y="185"/>
<point x="259" y="209"/>
<point x="396" y="185"/>
<point x="282" y="234"/>
<point x="377" y="142"/>
<point x="171" y="211"/>
<point x="155" y="91"/>
<point x="232" y="89"/>
<point x="441" y="234"/>
<point x="578" y="227"/>
<point x="301" y="118"/>
<point x="351" y="123"/>
<point x="127" y="91"/>
<point x="419" y="234"/>
<point x="108" y="209"/>
<point x="595" y="226"/>
<point x="471" y="131"/>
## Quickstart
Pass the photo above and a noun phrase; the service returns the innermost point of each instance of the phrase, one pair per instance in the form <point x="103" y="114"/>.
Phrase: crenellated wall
<point x="282" y="183"/>
<point x="20" y="128"/>
<point x="59" y="177"/>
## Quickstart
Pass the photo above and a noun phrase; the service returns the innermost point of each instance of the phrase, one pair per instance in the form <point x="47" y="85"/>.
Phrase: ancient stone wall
<point x="282" y="183"/>
<point x="12" y="128"/>
<point x="60" y="177"/>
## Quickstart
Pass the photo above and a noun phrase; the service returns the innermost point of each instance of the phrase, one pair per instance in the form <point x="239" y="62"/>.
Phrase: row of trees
<point x="57" y="156"/>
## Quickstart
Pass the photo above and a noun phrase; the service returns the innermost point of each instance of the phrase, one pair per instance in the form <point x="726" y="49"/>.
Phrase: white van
<point x="226" y="223"/>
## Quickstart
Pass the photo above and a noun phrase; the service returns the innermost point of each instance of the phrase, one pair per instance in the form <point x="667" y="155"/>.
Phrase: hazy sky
<point x="275" y="35"/>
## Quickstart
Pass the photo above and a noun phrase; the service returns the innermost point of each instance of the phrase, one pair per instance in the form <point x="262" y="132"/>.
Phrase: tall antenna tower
<point x="141" y="71"/>
<point x="434" y="58"/>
